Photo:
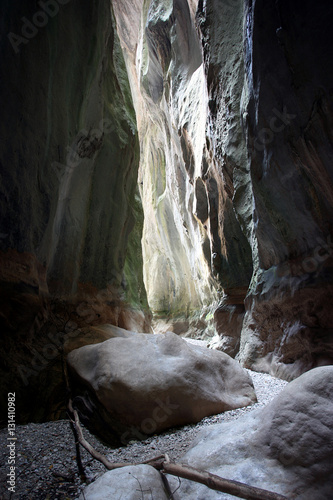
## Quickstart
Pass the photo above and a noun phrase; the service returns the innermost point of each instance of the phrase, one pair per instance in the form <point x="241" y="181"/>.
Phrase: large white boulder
<point x="287" y="447"/>
<point x="136" y="386"/>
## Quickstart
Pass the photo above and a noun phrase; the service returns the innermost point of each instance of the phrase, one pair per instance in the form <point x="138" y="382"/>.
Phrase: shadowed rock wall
<point x="68" y="196"/>
<point x="287" y="116"/>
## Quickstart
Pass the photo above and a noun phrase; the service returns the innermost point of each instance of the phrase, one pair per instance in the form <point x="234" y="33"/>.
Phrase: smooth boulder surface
<point x="130" y="483"/>
<point x="287" y="447"/>
<point x="136" y="386"/>
<point x="93" y="335"/>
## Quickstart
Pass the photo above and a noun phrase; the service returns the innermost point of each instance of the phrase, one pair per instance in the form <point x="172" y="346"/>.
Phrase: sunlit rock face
<point x="193" y="244"/>
<point x="171" y="104"/>
<point x="70" y="248"/>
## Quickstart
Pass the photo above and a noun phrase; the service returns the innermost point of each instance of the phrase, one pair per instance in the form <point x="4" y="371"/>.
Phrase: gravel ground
<point x="46" y="466"/>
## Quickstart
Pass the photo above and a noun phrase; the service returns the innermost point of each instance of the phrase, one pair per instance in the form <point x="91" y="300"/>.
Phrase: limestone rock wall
<point x="222" y="38"/>
<point x="68" y="194"/>
<point x="222" y="110"/>
<point x="233" y="101"/>
<point x="164" y="60"/>
<point x="194" y="245"/>
<point x="269" y="137"/>
<point x="287" y="116"/>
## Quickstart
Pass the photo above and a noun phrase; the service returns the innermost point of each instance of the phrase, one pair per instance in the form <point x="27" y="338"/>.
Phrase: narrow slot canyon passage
<point x="166" y="252"/>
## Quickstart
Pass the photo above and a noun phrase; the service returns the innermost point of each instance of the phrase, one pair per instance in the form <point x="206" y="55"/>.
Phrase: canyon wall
<point x="164" y="61"/>
<point x="194" y="248"/>
<point x="287" y="118"/>
<point x="233" y="101"/>
<point x="269" y="77"/>
<point x="204" y="128"/>
<point x="71" y="215"/>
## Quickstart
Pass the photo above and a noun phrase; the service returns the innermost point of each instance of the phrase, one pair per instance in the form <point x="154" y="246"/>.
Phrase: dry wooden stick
<point x="218" y="483"/>
<point x="163" y="464"/>
<point x="78" y="452"/>
<point x="94" y="453"/>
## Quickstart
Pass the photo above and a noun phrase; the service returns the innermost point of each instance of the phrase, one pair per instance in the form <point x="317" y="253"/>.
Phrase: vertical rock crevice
<point x="169" y="92"/>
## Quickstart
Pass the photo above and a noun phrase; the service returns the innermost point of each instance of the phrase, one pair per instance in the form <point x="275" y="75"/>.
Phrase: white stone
<point x="287" y="447"/>
<point x="128" y="483"/>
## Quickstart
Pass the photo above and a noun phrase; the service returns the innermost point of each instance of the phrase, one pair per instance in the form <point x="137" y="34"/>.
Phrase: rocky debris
<point x="197" y="327"/>
<point x="132" y="387"/>
<point x="131" y="482"/>
<point x="287" y="447"/>
<point x="46" y="464"/>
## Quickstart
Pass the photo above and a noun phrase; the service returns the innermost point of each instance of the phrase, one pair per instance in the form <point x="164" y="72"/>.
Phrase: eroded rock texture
<point x="193" y="154"/>
<point x="164" y="60"/>
<point x="223" y="112"/>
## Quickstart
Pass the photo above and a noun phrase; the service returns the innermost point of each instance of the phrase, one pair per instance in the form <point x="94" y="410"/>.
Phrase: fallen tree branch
<point x="218" y="483"/>
<point x="78" y="451"/>
<point x="83" y="442"/>
<point x="162" y="464"/>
